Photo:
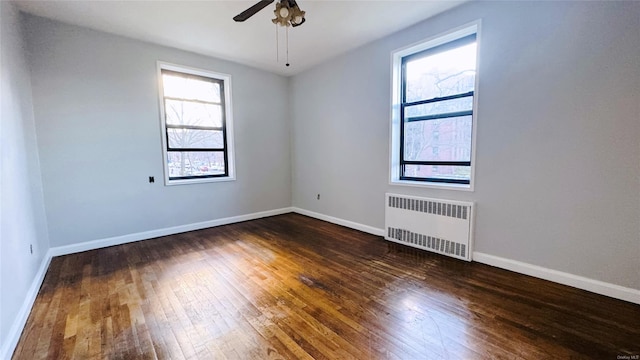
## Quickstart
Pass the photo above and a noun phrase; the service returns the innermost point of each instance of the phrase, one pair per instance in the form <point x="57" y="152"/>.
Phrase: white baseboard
<point x="580" y="282"/>
<point x="335" y="220"/>
<point x="118" y="240"/>
<point x="23" y="314"/>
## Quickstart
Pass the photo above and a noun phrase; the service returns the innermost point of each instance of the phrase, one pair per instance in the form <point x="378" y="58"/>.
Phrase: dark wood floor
<point x="290" y="287"/>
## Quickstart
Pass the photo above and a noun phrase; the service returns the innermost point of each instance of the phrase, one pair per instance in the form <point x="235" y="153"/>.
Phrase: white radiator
<point x="441" y="226"/>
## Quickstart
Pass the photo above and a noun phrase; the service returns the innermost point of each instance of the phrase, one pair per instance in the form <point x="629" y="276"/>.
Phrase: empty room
<point x="306" y="179"/>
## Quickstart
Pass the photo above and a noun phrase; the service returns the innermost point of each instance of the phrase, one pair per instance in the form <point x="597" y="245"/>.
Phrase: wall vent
<point x="436" y="225"/>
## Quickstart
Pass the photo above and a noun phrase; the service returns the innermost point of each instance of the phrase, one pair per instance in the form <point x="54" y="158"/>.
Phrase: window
<point x="196" y="125"/>
<point x="433" y="111"/>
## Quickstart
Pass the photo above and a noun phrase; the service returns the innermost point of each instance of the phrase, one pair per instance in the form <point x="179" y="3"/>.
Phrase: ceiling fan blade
<point x="252" y="10"/>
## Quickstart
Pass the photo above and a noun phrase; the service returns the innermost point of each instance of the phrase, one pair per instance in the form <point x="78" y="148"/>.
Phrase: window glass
<point x="451" y="136"/>
<point x="441" y="74"/>
<point x="195" y="139"/>
<point x="197" y="163"/>
<point x="182" y="86"/>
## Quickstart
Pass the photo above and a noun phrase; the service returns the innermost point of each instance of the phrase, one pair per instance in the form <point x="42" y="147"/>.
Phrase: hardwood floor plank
<point x="292" y="287"/>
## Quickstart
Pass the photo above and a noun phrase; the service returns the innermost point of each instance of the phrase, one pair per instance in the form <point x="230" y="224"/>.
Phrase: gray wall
<point x="558" y="169"/>
<point x="96" y="110"/>
<point x="22" y="218"/>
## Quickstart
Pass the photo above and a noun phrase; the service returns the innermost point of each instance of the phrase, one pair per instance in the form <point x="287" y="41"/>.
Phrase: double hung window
<point x="196" y="123"/>
<point x="433" y="120"/>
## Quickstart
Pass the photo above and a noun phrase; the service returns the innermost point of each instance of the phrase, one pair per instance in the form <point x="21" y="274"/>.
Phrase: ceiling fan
<point x="287" y="12"/>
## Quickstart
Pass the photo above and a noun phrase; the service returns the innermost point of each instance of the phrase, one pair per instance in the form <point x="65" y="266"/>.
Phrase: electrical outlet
<point x="318" y="197"/>
<point x="31" y="248"/>
<point x="151" y="179"/>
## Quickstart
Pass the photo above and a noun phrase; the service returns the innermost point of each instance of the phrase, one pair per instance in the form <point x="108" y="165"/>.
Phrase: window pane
<point x="446" y="139"/>
<point x="438" y="172"/>
<point x="192" y="113"/>
<point x="440" y="107"/>
<point x="446" y="73"/>
<point x="195" y="139"/>
<point x="190" y="88"/>
<point x="196" y="163"/>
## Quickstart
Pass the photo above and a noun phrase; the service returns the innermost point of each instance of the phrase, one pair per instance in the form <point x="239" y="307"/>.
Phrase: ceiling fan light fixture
<point x="284" y="12"/>
<point x="297" y="16"/>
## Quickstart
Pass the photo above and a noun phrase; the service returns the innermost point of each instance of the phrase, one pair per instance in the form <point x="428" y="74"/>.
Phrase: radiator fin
<point x="428" y="242"/>
<point x="429" y="207"/>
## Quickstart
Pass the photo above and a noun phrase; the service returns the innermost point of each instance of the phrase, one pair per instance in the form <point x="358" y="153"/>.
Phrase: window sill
<point x="432" y="185"/>
<point x="168" y="182"/>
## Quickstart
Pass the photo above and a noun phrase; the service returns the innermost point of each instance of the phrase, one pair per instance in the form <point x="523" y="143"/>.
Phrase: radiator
<point x="441" y="226"/>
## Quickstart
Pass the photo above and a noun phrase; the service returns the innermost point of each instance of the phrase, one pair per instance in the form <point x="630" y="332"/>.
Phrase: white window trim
<point x="228" y="123"/>
<point x="394" y="127"/>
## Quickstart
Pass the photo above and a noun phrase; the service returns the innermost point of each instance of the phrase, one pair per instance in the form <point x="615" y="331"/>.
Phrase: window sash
<point x="222" y="128"/>
<point x="190" y="177"/>
<point x="439" y="116"/>
<point x="404" y="104"/>
<point x="435" y="180"/>
<point x="466" y="40"/>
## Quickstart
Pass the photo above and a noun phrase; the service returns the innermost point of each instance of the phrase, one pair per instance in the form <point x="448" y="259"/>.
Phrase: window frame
<point x="398" y="59"/>
<point x="227" y="125"/>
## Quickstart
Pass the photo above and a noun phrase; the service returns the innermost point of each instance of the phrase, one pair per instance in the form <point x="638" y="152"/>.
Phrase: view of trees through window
<point x="437" y="112"/>
<point x="194" y="125"/>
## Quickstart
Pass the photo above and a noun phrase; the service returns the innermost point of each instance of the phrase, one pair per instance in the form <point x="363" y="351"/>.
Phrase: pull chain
<point x="287" y="46"/>
<point x="277" y="45"/>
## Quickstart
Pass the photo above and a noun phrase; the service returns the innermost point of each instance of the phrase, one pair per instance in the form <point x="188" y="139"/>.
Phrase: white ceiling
<point x="206" y="27"/>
